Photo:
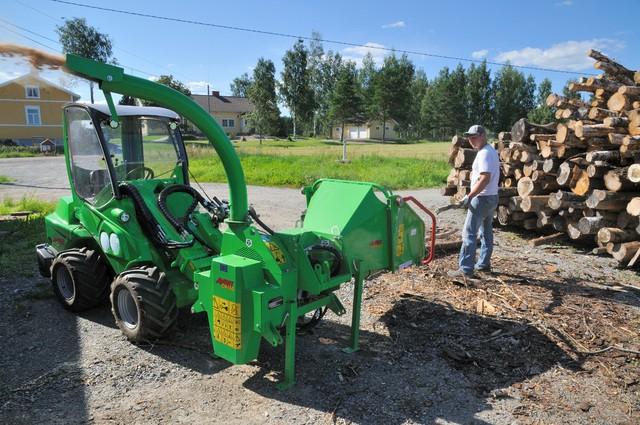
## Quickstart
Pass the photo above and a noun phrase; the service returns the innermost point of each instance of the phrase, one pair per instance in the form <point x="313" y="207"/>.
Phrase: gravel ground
<point x="429" y="353"/>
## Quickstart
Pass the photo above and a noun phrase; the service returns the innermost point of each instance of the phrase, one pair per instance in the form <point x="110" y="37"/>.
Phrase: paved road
<point x="46" y="178"/>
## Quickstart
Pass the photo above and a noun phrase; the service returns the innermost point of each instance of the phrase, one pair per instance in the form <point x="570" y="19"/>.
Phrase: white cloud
<point x="568" y="55"/>
<point x="9" y="75"/>
<point x="480" y="54"/>
<point x="565" y="3"/>
<point x="356" y="53"/>
<point x="396" y="24"/>
<point x="198" y="87"/>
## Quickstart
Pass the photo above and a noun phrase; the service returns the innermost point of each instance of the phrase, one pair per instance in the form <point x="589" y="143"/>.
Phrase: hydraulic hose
<point x="335" y="266"/>
<point x="148" y="222"/>
<point x="183" y="226"/>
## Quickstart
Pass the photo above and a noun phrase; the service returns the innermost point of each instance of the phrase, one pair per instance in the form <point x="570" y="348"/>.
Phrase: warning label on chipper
<point x="226" y="322"/>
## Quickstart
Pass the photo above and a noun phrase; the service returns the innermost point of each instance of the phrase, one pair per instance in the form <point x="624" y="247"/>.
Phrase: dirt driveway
<point x="513" y="347"/>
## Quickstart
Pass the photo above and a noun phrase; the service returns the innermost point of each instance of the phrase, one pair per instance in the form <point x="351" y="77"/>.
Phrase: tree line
<point x="323" y="90"/>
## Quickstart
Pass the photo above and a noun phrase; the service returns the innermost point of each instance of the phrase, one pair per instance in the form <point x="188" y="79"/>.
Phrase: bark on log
<point x="591" y="225"/>
<point x="599" y="114"/>
<point x="608" y="201"/>
<point x="584" y="131"/>
<point x="598" y="170"/>
<point x="534" y="203"/>
<point x="523" y="128"/>
<point x="514" y="204"/>
<point x="616" y="180"/>
<point x="607" y="156"/>
<point x="629" y="90"/>
<point x="563" y="200"/>
<point x="464" y="158"/>
<point x="615" y="71"/>
<point x="623" y="252"/>
<point x="460" y="142"/>
<point x="615" y="235"/>
<point x="543" y="240"/>
<point x="616" y="122"/>
<point x="504" y="136"/>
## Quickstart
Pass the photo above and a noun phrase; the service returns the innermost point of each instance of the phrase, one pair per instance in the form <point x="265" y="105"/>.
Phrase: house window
<point x="228" y="123"/>
<point x="32" y="92"/>
<point x="33" y="115"/>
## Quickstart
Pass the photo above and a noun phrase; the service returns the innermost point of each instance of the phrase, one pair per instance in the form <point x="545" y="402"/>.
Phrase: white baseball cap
<point x="475" y="130"/>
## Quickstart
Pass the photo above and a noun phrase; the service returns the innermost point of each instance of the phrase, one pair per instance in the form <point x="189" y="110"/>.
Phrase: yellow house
<point x="371" y="130"/>
<point x="31" y="109"/>
<point x="230" y="111"/>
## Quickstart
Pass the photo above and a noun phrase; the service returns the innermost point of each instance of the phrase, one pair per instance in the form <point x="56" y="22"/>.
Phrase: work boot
<point x="482" y="269"/>
<point x="460" y="274"/>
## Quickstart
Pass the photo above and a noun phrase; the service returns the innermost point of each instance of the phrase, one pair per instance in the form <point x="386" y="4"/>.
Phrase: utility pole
<point x="208" y="100"/>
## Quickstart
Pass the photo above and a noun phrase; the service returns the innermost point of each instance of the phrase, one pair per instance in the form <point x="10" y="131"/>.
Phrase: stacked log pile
<point x="579" y="175"/>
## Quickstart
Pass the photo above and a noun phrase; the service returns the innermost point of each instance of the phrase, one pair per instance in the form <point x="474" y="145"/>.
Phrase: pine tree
<point x="392" y="91"/>
<point x="346" y="101"/>
<point x="514" y="97"/>
<point x="295" y="88"/>
<point x="542" y="114"/>
<point x="330" y="68"/>
<point x="479" y="95"/>
<point x="366" y="78"/>
<point x="262" y="94"/>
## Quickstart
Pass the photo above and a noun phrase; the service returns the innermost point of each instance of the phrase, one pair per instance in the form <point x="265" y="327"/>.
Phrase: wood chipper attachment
<point x="136" y="229"/>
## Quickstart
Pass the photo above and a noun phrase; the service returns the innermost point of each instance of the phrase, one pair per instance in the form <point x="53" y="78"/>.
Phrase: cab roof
<point x="131" y="111"/>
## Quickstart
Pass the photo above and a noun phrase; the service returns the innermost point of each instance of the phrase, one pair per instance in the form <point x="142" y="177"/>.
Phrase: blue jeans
<point x="479" y="218"/>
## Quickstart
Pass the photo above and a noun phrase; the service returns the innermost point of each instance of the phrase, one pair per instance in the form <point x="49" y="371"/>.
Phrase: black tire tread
<point x="89" y="273"/>
<point x="156" y="300"/>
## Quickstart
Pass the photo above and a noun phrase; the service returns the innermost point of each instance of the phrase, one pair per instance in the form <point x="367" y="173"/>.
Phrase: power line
<point x="7" y="28"/>
<point x="302" y="37"/>
<point x="50" y="39"/>
<point x="120" y="49"/>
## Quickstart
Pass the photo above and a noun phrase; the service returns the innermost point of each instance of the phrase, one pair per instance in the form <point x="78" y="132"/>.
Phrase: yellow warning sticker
<point x="277" y="253"/>
<point x="400" y="241"/>
<point x="226" y="322"/>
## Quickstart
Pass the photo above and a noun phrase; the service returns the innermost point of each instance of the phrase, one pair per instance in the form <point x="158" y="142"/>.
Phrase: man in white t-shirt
<point x="482" y="202"/>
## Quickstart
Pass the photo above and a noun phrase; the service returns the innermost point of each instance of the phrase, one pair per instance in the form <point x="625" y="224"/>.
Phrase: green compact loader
<point x="136" y="231"/>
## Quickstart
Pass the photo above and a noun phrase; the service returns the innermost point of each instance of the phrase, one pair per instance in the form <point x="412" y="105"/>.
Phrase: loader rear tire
<point x="143" y="304"/>
<point x="80" y="278"/>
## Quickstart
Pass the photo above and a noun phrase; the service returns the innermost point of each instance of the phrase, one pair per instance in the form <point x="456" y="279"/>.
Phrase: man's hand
<point x="465" y="201"/>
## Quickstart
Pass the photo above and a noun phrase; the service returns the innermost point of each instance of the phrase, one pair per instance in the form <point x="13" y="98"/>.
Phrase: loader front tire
<point x="143" y="304"/>
<point x="80" y="278"/>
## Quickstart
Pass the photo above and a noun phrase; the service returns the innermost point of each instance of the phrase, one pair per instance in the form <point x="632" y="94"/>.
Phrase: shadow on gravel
<point x="41" y="380"/>
<point x="562" y="287"/>
<point x="435" y="363"/>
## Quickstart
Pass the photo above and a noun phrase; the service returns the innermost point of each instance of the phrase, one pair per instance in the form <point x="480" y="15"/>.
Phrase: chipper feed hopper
<point x="136" y="231"/>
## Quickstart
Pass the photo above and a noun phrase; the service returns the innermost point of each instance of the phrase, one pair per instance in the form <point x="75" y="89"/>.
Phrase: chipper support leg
<point x="355" y="315"/>
<point x="290" y="349"/>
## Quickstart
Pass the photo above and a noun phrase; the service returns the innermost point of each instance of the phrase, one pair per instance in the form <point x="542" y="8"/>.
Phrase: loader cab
<point x="145" y="145"/>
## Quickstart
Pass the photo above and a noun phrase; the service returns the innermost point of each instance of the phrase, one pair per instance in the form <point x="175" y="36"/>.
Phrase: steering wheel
<point x="148" y="172"/>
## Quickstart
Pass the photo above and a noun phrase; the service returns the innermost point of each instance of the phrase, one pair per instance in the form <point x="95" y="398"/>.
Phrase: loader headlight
<point x="115" y="243"/>
<point x="104" y="241"/>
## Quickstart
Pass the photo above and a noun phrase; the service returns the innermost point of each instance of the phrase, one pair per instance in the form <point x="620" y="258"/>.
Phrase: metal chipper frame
<point x="134" y="229"/>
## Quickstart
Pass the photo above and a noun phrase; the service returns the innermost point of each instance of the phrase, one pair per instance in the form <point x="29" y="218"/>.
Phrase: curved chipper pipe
<point x="113" y="79"/>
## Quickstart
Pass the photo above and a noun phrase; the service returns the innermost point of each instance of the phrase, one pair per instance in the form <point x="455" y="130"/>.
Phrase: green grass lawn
<point x="299" y="163"/>
<point x="19" y="237"/>
<point x="5" y="179"/>
<point x="8" y="206"/>
<point x="17" y="152"/>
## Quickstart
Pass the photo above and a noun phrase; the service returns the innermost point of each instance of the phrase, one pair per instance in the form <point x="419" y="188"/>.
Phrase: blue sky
<point x="551" y="34"/>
